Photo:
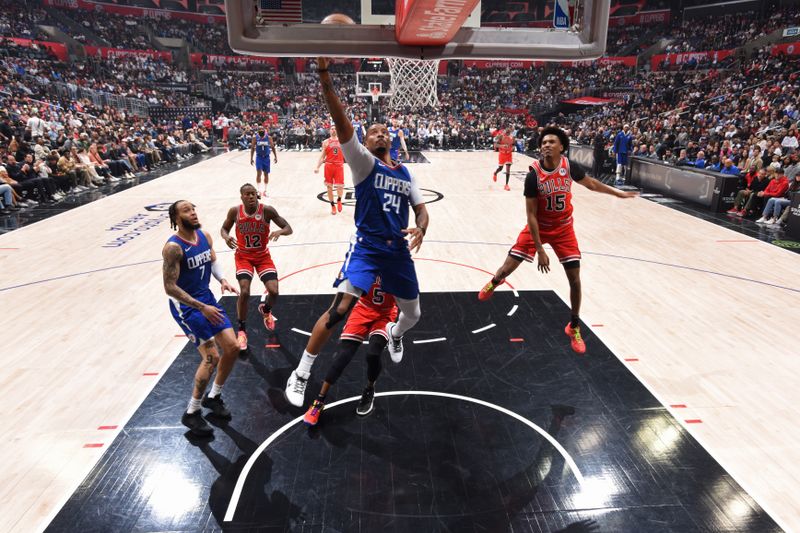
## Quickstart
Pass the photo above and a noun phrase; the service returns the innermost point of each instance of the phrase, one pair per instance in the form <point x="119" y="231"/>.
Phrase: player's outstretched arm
<point x="598" y="186"/>
<point x="343" y="126"/>
<point x="285" y="229"/>
<point x="225" y="232"/>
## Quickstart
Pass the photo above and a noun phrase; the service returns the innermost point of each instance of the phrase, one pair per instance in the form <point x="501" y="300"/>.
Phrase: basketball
<point x="337" y="18"/>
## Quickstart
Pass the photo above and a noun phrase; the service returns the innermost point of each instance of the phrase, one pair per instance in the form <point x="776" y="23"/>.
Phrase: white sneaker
<point x="762" y="220"/>
<point x="395" y="345"/>
<point x="296" y="389"/>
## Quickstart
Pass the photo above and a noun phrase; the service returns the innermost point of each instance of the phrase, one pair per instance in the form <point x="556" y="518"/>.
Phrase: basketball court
<point x="679" y="417"/>
<point x="680" y="412"/>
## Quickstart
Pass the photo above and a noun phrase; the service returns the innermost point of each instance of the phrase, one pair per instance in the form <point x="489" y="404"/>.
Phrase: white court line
<point x="426" y="341"/>
<point x="513" y="310"/>
<point x="301" y="332"/>
<point x="516" y="294"/>
<point x="484" y="328"/>
<point x="237" y="490"/>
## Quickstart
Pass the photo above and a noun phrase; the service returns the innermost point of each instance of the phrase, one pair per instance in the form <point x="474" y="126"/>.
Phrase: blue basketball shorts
<point x="197" y="327"/>
<point x="394" y="153"/>
<point x="262" y="164"/>
<point x="364" y="262"/>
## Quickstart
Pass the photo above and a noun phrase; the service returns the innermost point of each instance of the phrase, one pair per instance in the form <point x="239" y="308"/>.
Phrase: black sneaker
<point x="366" y="403"/>
<point x="216" y="405"/>
<point x="197" y="424"/>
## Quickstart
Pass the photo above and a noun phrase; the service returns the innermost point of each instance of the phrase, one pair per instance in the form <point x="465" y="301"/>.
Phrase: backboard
<point x="496" y="30"/>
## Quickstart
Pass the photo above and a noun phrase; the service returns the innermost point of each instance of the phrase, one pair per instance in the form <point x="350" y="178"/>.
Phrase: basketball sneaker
<point x="216" y="405"/>
<point x="269" y="322"/>
<point x="395" y="345"/>
<point x="494" y="177"/>
<point x="574" y="334"/>
<point x="333" y="209"/>
<point x="367" y="402"/>
<point x="197" y="424"/>
<point x="506" y="188"/>
<point x="312" y="415"/>
<point x="339" y="205"/>
<point x="296" y="389"/>
<point x="488" y="290"/>
<point x="241" y="338"/>
<point x="732" y="211"/>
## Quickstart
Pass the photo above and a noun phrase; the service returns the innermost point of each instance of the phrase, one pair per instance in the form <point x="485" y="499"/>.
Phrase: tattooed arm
<point x="172" y="255"/>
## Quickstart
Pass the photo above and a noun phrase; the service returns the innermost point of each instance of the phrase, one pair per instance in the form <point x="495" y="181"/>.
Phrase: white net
<point x="413" y="82"/>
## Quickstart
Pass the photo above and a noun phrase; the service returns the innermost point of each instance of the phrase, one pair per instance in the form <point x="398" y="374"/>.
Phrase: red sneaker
<point x="741" y="213"/>
<point x="333" y="209"/>
<point x="488" y="290"/>
<point x="242" y="340"/>
<point x="494" y="177"/>
<point x="732" y="211"/>
<point x="507" y="188"/>
<point x="574" y="334"/>
<point x="312" y="415"/>
<point x="339" y="205"/>
<point x="269" y="322"/>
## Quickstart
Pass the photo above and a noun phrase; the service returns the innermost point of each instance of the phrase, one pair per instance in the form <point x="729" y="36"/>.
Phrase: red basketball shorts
<point x="261" y="264"/>
<point x="561" y="238"/>
<point x="334" y="174"/>
<point x="364" y="322"/>
<point x="504" y="158"/>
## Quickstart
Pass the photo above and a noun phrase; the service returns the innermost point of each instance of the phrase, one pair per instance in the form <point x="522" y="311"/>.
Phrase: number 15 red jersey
<point x="252" y="232"/>
<point x="553" y="191"/>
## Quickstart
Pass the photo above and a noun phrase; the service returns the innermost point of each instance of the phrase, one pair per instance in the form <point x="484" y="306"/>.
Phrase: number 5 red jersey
<point x="553" y="191"/>
<point x="252" y="232"/>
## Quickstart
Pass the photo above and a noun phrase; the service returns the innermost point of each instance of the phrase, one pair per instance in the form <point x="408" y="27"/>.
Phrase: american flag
<point x="282" y="10"/>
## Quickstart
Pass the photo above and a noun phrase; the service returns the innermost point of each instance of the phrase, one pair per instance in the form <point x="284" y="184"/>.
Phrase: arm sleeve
<point x="531" y="185"/>
<point x="576" y="171"/>
<point x="415" y="196"/>
<point x="359" y="158"/>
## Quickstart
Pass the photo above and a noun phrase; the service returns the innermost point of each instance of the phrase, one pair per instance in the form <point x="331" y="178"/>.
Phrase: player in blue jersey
<point x="384" y="193"/>
<point x="358" y="128"/>
<point x="261" y="146"/>
<point x="623" y="144"/>
<point x="189" y="262"/>
<point x="398" y="137"/>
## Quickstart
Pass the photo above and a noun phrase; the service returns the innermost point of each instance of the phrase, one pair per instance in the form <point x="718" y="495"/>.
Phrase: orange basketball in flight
<point x="337" y="18"/>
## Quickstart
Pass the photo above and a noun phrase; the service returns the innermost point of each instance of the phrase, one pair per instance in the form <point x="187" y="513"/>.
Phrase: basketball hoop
<point x="413" y="82"/>
<point x="376" y="93"/>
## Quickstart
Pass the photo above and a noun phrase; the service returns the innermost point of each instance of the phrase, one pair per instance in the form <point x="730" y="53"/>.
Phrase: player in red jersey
<point x="367" y="320"/>
<point x="252" y="220"/>
<point x="504" y="146"/>
<point x="548" y="202"/>
<point x="334" y="169"/>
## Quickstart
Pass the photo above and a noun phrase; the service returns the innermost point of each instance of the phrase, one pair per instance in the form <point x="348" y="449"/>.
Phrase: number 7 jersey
<point x="553" y="191"/>
<point x="252" y="233"/>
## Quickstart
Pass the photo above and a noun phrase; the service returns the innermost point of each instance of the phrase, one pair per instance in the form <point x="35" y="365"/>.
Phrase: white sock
<point x="215" y="390"/>
<point x="194" y="406"/>
<point x="306" y="362"/>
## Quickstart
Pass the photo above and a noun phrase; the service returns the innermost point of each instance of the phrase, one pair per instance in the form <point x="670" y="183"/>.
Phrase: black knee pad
<point x="571" y="265"/>
<point x="334" y="316"/>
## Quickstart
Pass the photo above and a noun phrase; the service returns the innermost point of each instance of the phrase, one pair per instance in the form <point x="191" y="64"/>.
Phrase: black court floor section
<point x="478" y="458"/>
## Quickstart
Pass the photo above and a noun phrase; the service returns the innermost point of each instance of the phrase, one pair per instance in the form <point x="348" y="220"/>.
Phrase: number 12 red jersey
<point x="252" y="232"/>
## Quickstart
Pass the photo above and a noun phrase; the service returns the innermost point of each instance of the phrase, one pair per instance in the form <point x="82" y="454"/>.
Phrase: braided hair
<point x="173" y="214"/>
<point x="245" y="186"/>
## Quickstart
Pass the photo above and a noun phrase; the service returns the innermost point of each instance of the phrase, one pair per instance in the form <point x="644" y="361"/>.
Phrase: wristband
<point x="216" y="271"/>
